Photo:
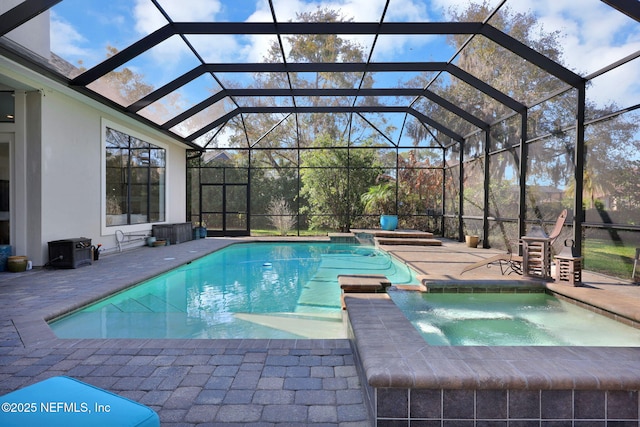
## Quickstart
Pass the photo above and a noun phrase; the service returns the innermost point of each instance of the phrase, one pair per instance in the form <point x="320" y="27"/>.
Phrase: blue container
<point x="389" y="222"/>
<point x="5" y="253"/>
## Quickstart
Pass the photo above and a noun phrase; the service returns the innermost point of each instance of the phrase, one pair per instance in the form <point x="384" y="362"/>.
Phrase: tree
<point x="277" y="138"/>
<point x="281" y="216"/>
<point x="303" y="129"/>
<point x="380" y="199"/>
<point x="420" y="184"/>
<point x="319" y="48"/>
<point x="333" y="180"/>
<point x="627" y="189"/>
<point x="419" y="179"/>
<point x="500" y="68"/>
<point x="551" y="159"/>
<point x="124" y="87"/>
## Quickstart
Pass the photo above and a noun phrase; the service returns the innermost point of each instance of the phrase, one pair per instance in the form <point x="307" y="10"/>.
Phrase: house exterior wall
<point x="58" y="172"/>
<point x="73" y="174"/>
<point x="28" y="230"/>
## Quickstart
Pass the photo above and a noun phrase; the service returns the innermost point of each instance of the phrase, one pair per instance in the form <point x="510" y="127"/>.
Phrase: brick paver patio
<point x="188" y="382"/>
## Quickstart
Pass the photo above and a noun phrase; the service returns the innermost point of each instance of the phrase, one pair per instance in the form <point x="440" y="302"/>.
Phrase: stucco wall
<point x="72" y="172"/>
<point x="70" y="169"/>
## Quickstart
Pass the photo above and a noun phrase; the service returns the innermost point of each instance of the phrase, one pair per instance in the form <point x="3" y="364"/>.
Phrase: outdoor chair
<point x="509" y="262"/>
<point x="513" y="262"/>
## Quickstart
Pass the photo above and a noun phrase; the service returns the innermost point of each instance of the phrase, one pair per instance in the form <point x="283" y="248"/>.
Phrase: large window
<point x="135" y="180"/>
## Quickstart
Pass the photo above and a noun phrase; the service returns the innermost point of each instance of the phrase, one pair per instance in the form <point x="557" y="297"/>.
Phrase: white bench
<point x="127" y="238"/>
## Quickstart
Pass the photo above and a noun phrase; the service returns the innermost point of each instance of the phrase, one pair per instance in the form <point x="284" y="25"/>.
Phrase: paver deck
<point x="212" y="382"/>
<point x="188" y="382"/>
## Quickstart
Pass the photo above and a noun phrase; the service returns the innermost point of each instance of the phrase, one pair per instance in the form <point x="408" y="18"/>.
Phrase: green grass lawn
<point x="603" y="257"/>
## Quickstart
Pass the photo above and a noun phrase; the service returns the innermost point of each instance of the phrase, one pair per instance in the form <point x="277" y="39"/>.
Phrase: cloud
<point x="620" y="86"/>
<point x="253" y="48"/>
<point x="593" y="27"/>
<point x="172" y="52"/>
<point x="217" y="48"/>
<point x="442" y="6"/>
<point x="66" y="41"/>
<point x="594" y="35"/>
<point x="356" y="10"/>
<point x="148" y="17"/>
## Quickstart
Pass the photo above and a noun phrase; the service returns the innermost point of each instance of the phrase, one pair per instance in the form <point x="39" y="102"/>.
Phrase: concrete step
<point x="343" y="238"/>
<point x="407" y="241"/>
<point x="404" y="234"/>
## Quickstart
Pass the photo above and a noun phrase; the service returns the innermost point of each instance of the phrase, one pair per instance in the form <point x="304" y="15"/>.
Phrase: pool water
<point x="510" y="320"/>
<point x="248" y="290"/>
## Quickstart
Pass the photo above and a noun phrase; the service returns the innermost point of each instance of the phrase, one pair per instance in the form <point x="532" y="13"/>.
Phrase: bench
<point x="127" y="238"/>
<point x="173" y="233"/>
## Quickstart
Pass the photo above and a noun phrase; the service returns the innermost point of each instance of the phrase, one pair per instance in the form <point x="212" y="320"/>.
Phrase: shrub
<point x="280" y="216"/>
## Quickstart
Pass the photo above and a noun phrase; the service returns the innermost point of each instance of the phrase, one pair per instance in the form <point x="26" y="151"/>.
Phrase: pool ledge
<point x="393" y="355"/>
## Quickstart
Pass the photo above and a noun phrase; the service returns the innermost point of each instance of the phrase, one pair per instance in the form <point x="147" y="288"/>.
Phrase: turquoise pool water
<point x="510" y="320"/>
<point x="249" y="290"/>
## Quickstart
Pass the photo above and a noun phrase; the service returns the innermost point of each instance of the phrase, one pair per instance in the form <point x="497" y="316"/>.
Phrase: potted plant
<point x="472" y="238"/>
<point x="381" y="199"/>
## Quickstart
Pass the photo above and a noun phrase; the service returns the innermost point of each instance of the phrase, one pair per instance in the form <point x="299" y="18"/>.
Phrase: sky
<point x="594" y="34"/>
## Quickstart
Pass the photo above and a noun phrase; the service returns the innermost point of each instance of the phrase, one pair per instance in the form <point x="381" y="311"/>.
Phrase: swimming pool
<point x="498" y="319"/>
<point x="246" y="290"/>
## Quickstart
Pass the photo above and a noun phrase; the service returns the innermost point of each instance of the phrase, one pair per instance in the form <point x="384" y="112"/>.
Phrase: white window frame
<point x="133" y="229"/>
